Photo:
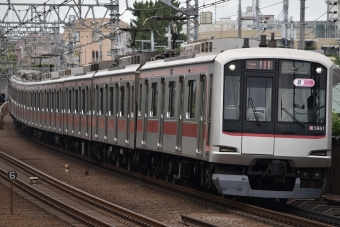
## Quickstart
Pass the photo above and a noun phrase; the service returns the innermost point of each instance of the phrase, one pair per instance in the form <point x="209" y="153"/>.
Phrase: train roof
<point x="118" y="70"/>
<point x="281" y="53"/>
<point x="182" y="60"/>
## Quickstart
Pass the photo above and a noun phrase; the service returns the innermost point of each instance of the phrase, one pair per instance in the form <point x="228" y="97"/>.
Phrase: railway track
<point x="286" y="216"/>
<point x="77" y="204"/>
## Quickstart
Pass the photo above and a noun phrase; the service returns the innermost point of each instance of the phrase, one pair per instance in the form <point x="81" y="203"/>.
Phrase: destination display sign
<point x="262" y="64"/>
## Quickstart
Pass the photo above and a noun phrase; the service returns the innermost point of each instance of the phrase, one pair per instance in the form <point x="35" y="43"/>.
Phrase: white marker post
<point x="12" y="175"/>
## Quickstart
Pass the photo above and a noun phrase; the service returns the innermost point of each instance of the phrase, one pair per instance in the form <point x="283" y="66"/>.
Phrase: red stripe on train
<point x="273" y="135"/>
<point x="152" y="126"/>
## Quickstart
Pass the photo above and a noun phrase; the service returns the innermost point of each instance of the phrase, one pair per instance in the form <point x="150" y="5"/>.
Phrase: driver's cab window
<point x="259" y="98"/>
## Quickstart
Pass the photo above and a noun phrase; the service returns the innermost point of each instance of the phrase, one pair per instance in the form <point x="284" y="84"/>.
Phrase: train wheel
<point x="167" y="177"/>
<point x="283" y="201"/>
<point x="148" y="172"/>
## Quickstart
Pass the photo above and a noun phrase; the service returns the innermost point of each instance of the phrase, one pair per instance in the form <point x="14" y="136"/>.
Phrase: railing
<point x="4" y="110"/>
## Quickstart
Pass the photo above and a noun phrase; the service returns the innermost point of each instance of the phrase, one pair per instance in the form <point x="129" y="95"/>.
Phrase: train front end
<point x="271" y="123"/>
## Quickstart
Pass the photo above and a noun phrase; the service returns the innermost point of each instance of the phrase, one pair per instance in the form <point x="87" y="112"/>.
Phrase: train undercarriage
<point x="265" y="175"/>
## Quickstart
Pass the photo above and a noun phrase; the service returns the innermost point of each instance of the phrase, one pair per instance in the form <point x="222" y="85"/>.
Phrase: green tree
<point x="335" y="124"/>
<point x="337" y="60"/>
<point x="144" y="10"/>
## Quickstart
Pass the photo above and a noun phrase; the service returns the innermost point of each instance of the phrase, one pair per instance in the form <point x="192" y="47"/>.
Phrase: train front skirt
<point x="238" y="185"/>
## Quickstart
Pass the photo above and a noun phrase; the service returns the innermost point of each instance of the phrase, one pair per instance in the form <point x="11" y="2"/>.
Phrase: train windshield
<point x="302" y="92"/>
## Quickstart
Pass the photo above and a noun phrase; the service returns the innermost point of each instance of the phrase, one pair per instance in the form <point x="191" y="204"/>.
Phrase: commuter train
<point x="252" y="122"/>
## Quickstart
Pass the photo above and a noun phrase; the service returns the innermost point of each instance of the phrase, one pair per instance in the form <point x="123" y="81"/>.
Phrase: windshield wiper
<point x="292" y="116"/>
<point x="250" y="100"/>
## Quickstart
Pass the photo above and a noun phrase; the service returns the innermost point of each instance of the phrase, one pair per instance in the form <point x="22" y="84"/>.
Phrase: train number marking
<point x="12" y="175"/>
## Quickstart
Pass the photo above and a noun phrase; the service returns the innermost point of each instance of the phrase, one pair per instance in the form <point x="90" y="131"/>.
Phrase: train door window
<point x="122" y="98"/>
<point x="231" y="102"/>
<point x="86" y="97"/>
<point x="52" y="101"/>
<point x="96" y="103"/>
<point x="128" y="98"/>
<point x="132" y="100"/>
<point x="111" y="101"/>
<point x="154" y="98"/>
<point x="48" y="102"/>
<point x="140" y="100"/>
<point x="69" y="101"/>
<point x="105" y="99"/>
<point x="89" y="99"/>
<point x="101" y="101"/>
<point x="76" y="102"/>
<point x="191" y="99"/>
<point x="57" y="108"/>
<point x="39" y="100"/>
<point x="83" y="101"/>
<point x="172" y="99"/>
<point x="42" y="103"/>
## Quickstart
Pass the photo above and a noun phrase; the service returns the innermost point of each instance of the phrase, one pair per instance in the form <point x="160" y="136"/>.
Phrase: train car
<point x="245" y="122"/>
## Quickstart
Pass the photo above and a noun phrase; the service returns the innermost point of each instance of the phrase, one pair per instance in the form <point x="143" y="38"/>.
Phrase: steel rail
<point x="195" y="222"/>
<point x="290" y="219"/>
<point x="71" y="211"/>
<point x="130" y="215"/>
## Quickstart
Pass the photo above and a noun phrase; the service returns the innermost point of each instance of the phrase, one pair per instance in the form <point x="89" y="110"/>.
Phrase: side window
<point x="191" y="98"/>
<point x="47" y="101"/>
<point x="101" y="101"/>
<point x="122" y="99"/>
<point x="52" y="101"/>
<point x="39" y="96"/>
<point x="132" y="99"/>
<point x="154" y="97"/>
<point x="140" y="100"/>
<point x="172" y="99"/>
<point x="76" y="101"/>
<point x="111" y="101"/>
<point x="83" y="101"/>
<point x="58" y="102"/>
<point x="69" y="101"/>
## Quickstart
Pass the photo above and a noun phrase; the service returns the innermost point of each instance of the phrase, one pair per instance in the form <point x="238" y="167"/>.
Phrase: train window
<point x="69" y="101"/>
<point x="39" y="99"/>
<point x="154" y="97"/>
<point x="106" y="99"/>
<point x="140" y="100"/>
<point x="47" y="101"/>
<point x="172" y="99"/>
<point x="132" y="100"/>
<point x="191" y="98"/>
<point x="122" y="98"/>
<point x="231" y="102"/>
<point x="83" y="101"/>
<point x="42" y="103"/>
<point x="302" y="92"/>
<point x="111" y="102"/>
<point x="52" y="101"/>
<point x="76" y="101"/>
<point x="57" y="108"/>
<point x="87" y="97"/>
<point x="259" y="98"/>
<point x="101" y="101"/>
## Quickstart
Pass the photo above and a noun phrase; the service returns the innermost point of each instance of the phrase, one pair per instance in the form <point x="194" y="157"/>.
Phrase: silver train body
<point x="247" y="122"/>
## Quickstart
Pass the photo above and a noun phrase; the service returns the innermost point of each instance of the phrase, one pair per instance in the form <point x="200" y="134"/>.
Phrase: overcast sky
<point x="314" y="8"/>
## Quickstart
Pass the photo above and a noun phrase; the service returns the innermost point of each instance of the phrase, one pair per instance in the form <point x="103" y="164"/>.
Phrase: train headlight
<point x="232" y="67"/>
<point x="319" y="153"/>
<point x="318" y="70"/>
<point x="227" y="149"/>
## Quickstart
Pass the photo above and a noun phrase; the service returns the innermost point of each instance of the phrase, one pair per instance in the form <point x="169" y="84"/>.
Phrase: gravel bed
<point x="129" y="194"/>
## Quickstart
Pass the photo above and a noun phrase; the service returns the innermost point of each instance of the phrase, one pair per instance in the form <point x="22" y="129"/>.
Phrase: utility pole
<point x="326" y="33"/>
<point x="239" y="19"/>
<point x="302" y="25"/>
<point x="285" y="13"/>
